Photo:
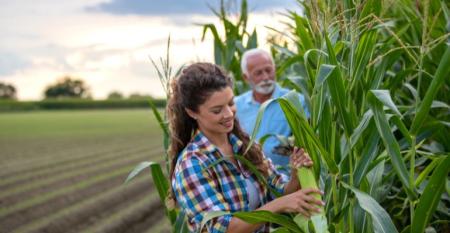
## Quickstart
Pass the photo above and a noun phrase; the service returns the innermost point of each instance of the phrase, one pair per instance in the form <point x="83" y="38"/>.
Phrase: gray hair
<point x="252" y="52"/>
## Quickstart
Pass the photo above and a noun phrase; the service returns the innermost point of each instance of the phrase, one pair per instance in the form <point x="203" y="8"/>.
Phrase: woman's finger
<point x="311" y="199"/>
<point x="310" y="207"/>
<point x="309" y="191"/>
<point x="302" y="211"/>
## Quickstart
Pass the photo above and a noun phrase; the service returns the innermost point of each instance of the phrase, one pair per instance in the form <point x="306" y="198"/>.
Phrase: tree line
<point x="66" y="87"/>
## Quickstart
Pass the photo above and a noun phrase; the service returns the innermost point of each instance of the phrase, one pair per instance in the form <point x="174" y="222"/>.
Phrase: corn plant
<point x="375" y="75"/>
<point x="235" y="40"/>
<point x="160" y="179"/>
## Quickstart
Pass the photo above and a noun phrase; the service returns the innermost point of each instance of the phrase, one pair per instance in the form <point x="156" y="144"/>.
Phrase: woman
<point x="204" y="173"/>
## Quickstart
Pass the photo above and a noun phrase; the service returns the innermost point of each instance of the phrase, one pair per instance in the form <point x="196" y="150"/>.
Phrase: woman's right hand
<point x="300" y="201"/>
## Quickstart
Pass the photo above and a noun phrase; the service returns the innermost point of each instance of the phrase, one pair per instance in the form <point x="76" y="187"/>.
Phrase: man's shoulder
<point x="242" y="98"/>
<point x="284" y="91"/>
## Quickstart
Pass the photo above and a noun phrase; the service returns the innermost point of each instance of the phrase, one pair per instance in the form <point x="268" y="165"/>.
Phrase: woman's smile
<point x="228" y="123"/>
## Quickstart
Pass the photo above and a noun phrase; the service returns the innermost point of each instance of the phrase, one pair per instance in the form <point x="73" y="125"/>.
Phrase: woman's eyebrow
<point x="216" y="106"/>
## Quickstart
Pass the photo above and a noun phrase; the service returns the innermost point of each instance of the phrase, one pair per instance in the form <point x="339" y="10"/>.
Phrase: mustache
<point x="265" y="83"/>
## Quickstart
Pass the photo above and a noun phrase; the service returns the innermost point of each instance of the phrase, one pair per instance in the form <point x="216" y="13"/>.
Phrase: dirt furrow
<point x="58" y="163"/>
<point x="34" y="212"/>
<point x="52" y="171"/>
<point x="15" y="198"/>
<point x="76" y="221"/>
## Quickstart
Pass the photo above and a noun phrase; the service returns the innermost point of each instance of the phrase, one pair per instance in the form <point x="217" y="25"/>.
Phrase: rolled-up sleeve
<point x="198" y="193"/>
<point x="275" y="179"/>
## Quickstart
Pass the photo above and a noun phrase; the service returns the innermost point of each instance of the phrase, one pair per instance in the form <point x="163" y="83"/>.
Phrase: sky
<point x="108" y="43"/>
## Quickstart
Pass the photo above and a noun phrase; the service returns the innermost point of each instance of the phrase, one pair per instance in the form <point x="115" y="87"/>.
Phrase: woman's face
<point x="216" y="114"/>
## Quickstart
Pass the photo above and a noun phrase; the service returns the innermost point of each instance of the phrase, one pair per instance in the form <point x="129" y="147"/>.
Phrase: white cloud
<point x="51" y="38"/>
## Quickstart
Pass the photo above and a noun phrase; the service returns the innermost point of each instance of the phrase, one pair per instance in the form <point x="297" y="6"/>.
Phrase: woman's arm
<point x="298" y="202"/>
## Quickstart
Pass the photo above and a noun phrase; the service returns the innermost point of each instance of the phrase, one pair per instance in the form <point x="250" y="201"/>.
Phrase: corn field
<point x="375" y="75"/>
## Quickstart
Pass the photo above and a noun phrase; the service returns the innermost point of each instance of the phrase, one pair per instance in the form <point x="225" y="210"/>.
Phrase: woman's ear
<point x="191" y="113"/>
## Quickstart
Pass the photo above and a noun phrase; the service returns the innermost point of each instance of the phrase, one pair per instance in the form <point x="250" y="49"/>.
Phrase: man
<point x="258" y="71"/>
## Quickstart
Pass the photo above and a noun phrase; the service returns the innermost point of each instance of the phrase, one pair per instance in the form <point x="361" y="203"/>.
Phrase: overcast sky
<point x="108" y="43"/>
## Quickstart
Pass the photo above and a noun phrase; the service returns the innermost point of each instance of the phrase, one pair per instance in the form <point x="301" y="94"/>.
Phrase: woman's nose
<point x="229" y="111"/>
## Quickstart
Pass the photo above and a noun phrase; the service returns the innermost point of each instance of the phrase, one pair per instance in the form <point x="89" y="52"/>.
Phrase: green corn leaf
<point x="219" y="47"/>
<point x="385" y="97"/>
<point x="431" y="196"/>
<point x="180" y="225"/>
<point x="290" y="104"/>
<point x="253" y="217"/>
<point x="375" y="178"/>
<point x="137" y="170"/>
<point x="244" y="15"/>
<point x="219" y="52"/>
<point x="426" y="171"/>
<point x="380" y="218"/>
<point x="401" y="126"/>
<point x="368" y="155"/>
<point x="364" y="53"/>
<point x="263" y="139"/>
<point x="259" y="117"/>
<point x="252" y="40"/>
<point x="287" y="63"/>
<point x="302" y="222"/>
<point x="281" y="230"/>
<point x="158" y="117"/>
<point x="320" y="223"/>
<point x="338" y="92"/>
<point x="159" y="180"/>
<point x="260" y="216"/>
<point x="442" y="73"/>
<point x="213" y="30"/>
<point x="391" y="144"/>
<point x="240" y="48"/>
<point x="305" y="38"/>
<point x="325" y="71"/>
<point x="362" y="126"/>
<point x="258" y="174"/>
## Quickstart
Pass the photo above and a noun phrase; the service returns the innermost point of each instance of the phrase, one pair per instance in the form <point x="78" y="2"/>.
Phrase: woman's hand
<point x="300" y="201"/>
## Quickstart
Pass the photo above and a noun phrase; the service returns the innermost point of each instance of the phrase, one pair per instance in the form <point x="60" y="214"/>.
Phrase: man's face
<point x="261" y="73"/>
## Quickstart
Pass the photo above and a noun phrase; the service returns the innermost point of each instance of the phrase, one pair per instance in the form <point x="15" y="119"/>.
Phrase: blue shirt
<point x="273" y="121"/>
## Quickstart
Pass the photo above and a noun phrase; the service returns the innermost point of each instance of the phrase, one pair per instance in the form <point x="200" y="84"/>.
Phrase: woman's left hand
<point x="300" y="158"/>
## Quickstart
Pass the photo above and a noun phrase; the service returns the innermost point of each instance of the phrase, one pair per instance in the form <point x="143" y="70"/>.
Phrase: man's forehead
<point x="259" y="60"/>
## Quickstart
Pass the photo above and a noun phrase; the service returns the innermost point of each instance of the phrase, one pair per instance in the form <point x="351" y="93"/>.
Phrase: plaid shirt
<point x="201" y="186"/>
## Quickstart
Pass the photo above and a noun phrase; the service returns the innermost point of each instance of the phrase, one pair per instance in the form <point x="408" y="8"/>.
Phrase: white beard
<point x="265" y="87"/>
